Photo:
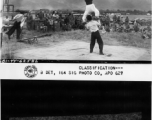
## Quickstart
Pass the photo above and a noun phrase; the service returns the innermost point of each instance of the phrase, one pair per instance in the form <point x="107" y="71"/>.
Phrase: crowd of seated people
<point x="118" y="23"/>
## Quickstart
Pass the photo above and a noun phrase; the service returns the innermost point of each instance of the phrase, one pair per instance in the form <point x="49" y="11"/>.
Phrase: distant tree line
<point x="123" y="12"/>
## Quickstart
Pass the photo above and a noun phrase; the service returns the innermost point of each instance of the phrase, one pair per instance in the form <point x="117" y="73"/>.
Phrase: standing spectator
<point x="29" y="21"/>
<point x="61" y="20"/>
<point x="136" y="26"/>
<point x="127" y="20"/>
<point x="50" y="23"/>
<point x="66" y="20"/>
<point x="107" y="20"/>
<point x="107" y="23"/>
<point x="55" y="19"/>
<point x="66" y="23"/>
<point x="103" y="21"/>
<point x="118" y="19"/>
<point x="121" y="20"/>
<point x="77" y="22"/>
<point x="41" y="15"/>
<point x="53" y="13"/>
<point x="114" y="18"/>
<point x="71" y="20"/>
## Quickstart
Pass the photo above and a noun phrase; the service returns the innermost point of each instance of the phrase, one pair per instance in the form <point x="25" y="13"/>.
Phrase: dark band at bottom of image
<point x="76" y="61"/>
<point x="75" y="100"/>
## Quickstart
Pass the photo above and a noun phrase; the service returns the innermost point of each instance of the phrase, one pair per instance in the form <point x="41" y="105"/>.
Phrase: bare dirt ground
<point x="73" y="46"/>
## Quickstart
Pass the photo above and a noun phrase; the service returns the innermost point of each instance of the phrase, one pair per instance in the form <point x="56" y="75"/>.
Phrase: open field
<point x="133" y="17"/>
<point x="74" y="45"/>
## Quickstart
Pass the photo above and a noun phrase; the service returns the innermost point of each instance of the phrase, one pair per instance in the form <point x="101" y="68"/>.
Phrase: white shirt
<point x="93" y="26"/>
<point x="20" y="18"/>
<point x="6" y="21"/>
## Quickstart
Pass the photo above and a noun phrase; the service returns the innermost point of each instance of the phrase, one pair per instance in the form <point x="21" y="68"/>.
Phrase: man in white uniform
<point x="90" y="8"/>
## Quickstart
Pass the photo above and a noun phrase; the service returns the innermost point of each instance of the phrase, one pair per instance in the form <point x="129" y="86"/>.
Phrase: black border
<point x="22" y="98"/>
<point x="73" y="61"/>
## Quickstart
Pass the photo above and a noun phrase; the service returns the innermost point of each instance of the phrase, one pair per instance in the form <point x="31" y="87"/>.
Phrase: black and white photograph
<point x="75" y="100"/>
<point x="87" y="30"/>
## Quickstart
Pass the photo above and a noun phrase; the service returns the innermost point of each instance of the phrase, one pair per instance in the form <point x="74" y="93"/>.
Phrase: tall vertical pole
<point x="1" y="31"/>
<point x="1" y="39"/>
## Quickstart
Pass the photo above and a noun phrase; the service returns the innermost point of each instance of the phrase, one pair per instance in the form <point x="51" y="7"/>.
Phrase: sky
<point x="80" y="4"/>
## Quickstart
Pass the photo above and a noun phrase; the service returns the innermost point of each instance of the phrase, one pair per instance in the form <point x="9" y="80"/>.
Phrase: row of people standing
<point x="54" y="21"/>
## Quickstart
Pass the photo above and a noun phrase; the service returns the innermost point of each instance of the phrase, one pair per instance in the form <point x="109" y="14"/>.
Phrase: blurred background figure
<point x="6" y="20"/>
<point x="29" y="21"/>
<point x="127" y="20"/>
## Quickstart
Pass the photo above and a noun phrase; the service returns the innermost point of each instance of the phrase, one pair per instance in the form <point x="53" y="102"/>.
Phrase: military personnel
<point x="29" y="21"/>
<point x="71" y="20"/>
<point x="127" y="20"/>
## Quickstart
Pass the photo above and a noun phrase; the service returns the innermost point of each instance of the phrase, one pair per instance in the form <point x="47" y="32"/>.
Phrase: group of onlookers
<point x="54" y="21"/>
<point x="118" y="23"/>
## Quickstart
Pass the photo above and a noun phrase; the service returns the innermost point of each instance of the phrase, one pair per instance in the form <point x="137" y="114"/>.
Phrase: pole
<point x="1" y="46"/>
<point x="1" y="39"/>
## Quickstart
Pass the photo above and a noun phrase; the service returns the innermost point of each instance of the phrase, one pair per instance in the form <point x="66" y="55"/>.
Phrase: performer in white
<point x="90" y="8"/>
<point x="18" y="24"/>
